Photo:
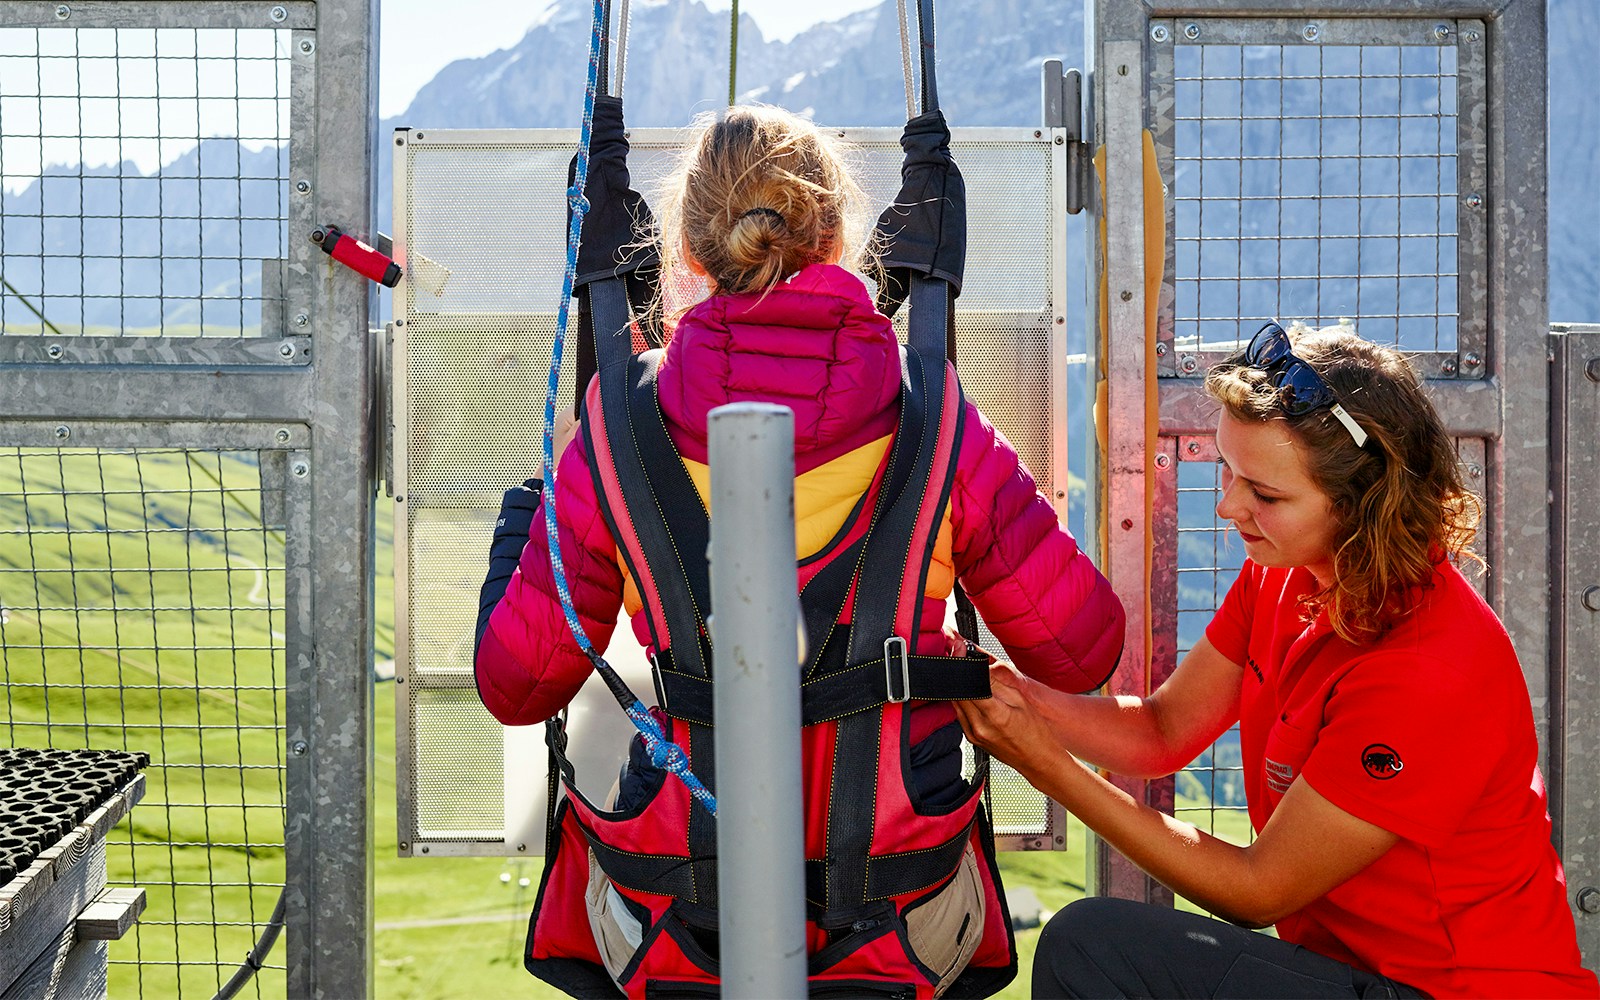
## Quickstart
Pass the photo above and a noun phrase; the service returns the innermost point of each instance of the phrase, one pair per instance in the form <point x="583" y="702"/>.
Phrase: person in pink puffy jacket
<point x="767" y="215"/>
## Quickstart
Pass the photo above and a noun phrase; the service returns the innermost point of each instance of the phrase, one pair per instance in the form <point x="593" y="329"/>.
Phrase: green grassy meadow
<point x="142" y="599"/>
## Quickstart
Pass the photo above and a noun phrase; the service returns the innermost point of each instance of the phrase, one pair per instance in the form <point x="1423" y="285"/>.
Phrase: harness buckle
<point x="888" y="671"/>
<point x="657" y="681"/>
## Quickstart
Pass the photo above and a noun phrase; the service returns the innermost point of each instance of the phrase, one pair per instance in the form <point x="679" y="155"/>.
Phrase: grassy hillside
<point x="143" y="597"/>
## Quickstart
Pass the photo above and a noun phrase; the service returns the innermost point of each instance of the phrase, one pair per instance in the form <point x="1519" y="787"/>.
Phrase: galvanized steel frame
<point x="270" y="393"/>
<point x="1575" y="617"/>
<point x="1502" y="399"/>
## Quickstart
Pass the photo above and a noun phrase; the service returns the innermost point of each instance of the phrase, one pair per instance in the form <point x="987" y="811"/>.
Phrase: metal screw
<point x="1591" y="370"/>
<point x="300" y="469"/>
<point x="1472" y="359"/>
<point x="405" y="845"/>
<point x="1163" y="461"/>
<point x="1126" y="296"/>
<point x="1473" y="36"/>
<point x="1191" y="31"/>
<point x="63" y="12"/>
<point x="298" y="748"/>
<point x="1589" y="899"/>
<point x="1161" y="349"/>
<point x="424" y="849"/>
<point x="301" y="319"/>
<point x="1060" y="140"/>
<point x="1448" y="366"/>
<point x="279" y="14"/>
<point x="522" y="847"/>
<point x="1193" y="447"/>
<point x="303" y="187"/>
<point x="282" y="435"/>
<point x="1441" y="31"/>
<point x="1311" y="32"/>
<point x="1474" y="201"/>
<point x="307" y="46"/>
<point x="1127" y="524"/>
<point x="400" y="140"/>
<point x="53" y="352"/>
<point x="1122" y="70"/>
<point x="1190" y="364"/>
<point x="286" y="349"/>
<point x="1158" y="32"/>
<point x="1591" y="600"/>
<point x="1474" y="470"/>
<point x="419" y="135"/>
<point x="1060" y="494"/>
<point x="63" y="432"/>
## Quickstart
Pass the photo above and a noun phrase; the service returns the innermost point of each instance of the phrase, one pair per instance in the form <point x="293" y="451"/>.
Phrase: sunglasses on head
<point x="1300" y="389"/>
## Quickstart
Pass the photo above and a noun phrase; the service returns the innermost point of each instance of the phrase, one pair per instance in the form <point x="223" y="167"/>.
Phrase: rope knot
<point x="576" y="201"/>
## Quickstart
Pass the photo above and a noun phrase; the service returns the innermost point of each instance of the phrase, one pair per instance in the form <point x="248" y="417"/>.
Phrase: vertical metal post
<point x="329" y="794"/>
<point x="760" y="837"/>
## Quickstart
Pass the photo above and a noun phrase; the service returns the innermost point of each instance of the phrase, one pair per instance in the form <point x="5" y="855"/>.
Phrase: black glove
<point x="517" y="511"/>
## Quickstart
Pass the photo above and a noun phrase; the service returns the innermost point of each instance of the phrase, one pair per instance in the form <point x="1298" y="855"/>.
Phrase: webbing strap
<point x="888" y="875"/>
<point x="844" y="692"/>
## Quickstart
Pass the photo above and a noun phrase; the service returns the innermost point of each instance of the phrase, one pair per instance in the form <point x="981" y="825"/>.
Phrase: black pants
<point x="1102" y="947"/>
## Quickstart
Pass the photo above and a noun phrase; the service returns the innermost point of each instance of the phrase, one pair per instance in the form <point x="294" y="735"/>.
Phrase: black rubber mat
<point x="45" y="793"/>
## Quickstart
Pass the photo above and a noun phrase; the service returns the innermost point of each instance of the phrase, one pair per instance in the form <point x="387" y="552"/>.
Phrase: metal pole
<point x="760" y="842"/>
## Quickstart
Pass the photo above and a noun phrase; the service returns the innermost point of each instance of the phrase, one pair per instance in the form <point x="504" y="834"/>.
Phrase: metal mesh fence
<point x="1316" y="182"/>
<point x="143" y="179"/>
<point x="143" y="597"/>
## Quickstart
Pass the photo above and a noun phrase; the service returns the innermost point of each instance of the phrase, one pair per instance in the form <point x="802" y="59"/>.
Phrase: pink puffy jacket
<point x="815" y="344"/>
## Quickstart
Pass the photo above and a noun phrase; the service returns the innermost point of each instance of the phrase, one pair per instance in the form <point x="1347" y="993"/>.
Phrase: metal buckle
<point x="888" y="671"/>
<point x="656" y="681"/>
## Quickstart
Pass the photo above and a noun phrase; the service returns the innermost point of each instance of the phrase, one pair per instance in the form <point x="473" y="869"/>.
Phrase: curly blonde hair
<point x="760" y="194"/>
<point x="1399" y="500"/>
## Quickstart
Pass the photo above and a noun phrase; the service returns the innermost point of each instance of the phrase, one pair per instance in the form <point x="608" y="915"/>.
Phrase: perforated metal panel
<point x="480" y="229"/>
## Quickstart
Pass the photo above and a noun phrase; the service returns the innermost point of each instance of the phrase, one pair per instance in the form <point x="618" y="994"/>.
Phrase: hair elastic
<point x="765" y="211"/>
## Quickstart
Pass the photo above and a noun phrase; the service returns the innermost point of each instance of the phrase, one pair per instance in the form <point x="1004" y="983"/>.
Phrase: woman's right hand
<point x="1009" y="724"/>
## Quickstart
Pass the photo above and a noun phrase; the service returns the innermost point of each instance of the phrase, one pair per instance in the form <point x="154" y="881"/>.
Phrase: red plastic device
<point x="356" y="255"/>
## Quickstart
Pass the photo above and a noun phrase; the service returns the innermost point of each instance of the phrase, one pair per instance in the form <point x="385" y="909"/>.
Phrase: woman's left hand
<point x="1008" y="724"/>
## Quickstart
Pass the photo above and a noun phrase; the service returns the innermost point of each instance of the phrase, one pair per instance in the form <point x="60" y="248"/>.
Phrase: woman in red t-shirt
<point x="1390" y="756"/>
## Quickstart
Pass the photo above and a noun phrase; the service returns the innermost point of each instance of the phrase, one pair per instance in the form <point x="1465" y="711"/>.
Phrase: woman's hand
<point x="565" y="430"/>
<point x="1009" y="724"/>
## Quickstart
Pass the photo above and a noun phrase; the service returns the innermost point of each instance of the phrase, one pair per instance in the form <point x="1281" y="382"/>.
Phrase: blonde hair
<point x="1399" y="501"/>
<point x="760" y="194"/>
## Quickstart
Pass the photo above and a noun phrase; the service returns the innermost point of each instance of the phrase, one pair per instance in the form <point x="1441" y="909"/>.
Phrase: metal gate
<point x="1378" y="165"/>
<point x="185" y="431"/>
<point x="479" y="225"/>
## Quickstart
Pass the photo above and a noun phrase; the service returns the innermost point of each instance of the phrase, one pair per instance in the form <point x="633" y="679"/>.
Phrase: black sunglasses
<point x="1300" y="389"/>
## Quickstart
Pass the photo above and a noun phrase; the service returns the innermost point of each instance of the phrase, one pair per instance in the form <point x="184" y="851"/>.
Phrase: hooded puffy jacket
<point x="816" y="344"/>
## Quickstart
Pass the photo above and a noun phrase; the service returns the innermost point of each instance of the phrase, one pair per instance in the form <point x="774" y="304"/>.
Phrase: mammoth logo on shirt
<point x="1381" y="761"/>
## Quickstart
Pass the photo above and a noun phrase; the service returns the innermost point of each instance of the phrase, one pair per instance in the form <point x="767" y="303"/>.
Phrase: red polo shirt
<point x="1428" y="733"/>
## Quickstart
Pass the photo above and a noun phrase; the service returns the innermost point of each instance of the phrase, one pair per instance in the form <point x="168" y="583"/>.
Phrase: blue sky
<point x="415" y="42"/>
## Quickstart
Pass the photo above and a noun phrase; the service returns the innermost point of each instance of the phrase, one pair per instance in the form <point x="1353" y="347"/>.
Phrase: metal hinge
<point x="1063" y="113"/>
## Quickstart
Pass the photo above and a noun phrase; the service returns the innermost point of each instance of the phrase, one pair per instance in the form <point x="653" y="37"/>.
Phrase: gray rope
<point x="905" y="61"/>
<point x="622" y="45"/>
<point x="257" y="955"/>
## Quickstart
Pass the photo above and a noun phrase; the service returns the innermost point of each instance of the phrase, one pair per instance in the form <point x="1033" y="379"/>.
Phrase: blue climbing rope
<point x="663" y="752"/>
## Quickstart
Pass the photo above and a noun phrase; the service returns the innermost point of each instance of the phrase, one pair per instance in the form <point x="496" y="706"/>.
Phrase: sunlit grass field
<point x="143" y="597"/>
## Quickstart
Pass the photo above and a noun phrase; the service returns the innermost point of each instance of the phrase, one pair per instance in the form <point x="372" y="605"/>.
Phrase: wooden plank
<point x="54" y="901"/>
<point x="111" y="914"/>
<point x="82" y="976"/>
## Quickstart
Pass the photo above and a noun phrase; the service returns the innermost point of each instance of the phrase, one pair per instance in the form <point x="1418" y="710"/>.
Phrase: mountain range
<point x="846" y="72"/>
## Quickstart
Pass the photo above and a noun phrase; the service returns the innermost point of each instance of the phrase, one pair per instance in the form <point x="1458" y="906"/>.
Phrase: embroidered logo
<point x="1381" y="761"/>
<point x="1279" y="776"/>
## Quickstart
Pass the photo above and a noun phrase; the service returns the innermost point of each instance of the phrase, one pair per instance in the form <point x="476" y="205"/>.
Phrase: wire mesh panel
<point x="143" y="595"/>
<point x="1210" y="791"/>
<point x="480" y="229"/>
<point x="1325" y="171"/>
<point x="143" y="179"/>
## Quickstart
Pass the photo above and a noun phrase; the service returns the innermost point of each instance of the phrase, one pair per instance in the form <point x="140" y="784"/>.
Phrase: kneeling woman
<point x="1390" y="758"/>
